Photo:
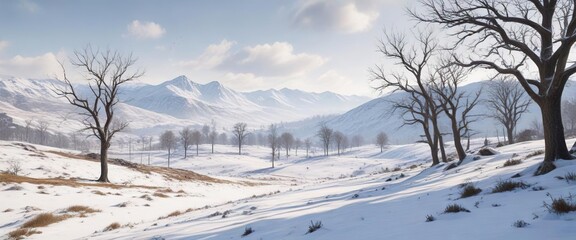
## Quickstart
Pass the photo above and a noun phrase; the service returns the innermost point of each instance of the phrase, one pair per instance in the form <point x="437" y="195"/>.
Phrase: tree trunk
<point x="185" y="151"/>
<point x="103" y="163"/>
<point x="457" y="140"/>
<point x="168" y="157"/>
<point x="212" y="148"/>
<point x="239" y="149"/>
<point x="555" y="142"/>
<point x="510" y="133"/>
<point x="196" y="149"/>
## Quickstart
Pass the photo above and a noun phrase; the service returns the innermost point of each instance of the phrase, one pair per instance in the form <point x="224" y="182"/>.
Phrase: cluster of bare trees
<point x="529" y="41"/>
<point x="287" y="141"/>
<point x="188" y="137"/>
<point x="330" y="137"/>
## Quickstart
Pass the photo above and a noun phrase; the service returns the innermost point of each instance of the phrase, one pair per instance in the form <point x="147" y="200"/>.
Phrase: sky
<point x="314" y="45"/>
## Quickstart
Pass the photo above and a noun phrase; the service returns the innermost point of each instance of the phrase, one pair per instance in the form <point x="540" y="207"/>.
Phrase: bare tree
<point x="456" y="103"/>
<point x="507" y="102"/>
<point x="514" y="38"/>
<point x="569" y="115"/>
<point x="186" y="139"/>
<point x="212" y="139"/>
<point x="206" y="132"/>
<point x="420" y="107"/>
<point x="287" y="140"/>
<point x="273" y="140"/>
<point x="357" y="141"/>
<point x="339" y="139"/>
<point x="307" y="145"/>
<point x="223" y="138"/>
<point x="106" y="71"/>
<point x="196" y="139"/>
<point x="28" y="130"/>
<point x="325" y="135"/>
<point x="168" y="141"/>
<point x="297" y="144"/>
<point x="381" y="140"/>
<point x="240" y="132"/>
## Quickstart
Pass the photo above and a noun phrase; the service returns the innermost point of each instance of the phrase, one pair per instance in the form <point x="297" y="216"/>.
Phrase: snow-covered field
<point x="362" y="194"/>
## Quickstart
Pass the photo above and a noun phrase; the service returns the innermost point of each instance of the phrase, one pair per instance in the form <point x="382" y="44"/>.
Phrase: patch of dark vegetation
<point x="486" y="151"/>
<point x="560" y="205"/>
<point x="535" y="153"/>
<point x="247" y="231"/>
<point x="430" y="218"/>
<point x="520" y="224"/>
<point x="511" y="162"/>
<point x="455" y="208"/>
<point x="469" y="190"/>
<point x="314" y="226"/>
<point x="508" y="185"/>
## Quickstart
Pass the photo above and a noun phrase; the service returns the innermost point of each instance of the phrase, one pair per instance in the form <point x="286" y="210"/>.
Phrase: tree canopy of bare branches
<point x="240" y="132"/>
<point x="507" y="102"/>
<point x="105" y="71"/>
<point x="168" y="141"/>
<point x="325" y="134"/>
<point x="381" y="140"/>
<point x="186" y="139"/>
<point x="513" y="38"/>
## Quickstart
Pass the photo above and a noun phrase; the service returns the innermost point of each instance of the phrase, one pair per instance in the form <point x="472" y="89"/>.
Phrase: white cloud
<point x="144" y="30"/>
<point x="3" y="45"/>
<point x="213" y="56"/>
<point x="271" y="60"/>
<point x="43" y="66"/>
<point x="346" y="16"/>
<point x="244" y="81"/>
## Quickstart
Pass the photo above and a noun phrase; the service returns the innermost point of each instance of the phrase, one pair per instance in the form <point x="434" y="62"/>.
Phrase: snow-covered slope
<point x="363" y="194"/>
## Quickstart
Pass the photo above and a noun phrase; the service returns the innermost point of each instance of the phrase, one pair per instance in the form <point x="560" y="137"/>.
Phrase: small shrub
<point x="396" y="169"/>
<point x="520" y="224"/>
<point x="112" y="226"/>
<point x="247" y="231"/>
<point x="430" y="218"/>
<point x="561" y="205"/>
<point x="508" y="185"/>
<point x="147" y="197"/>
<point x="512" y="162"/>
<point x="14" y="167"/>
<point x="44" y="219"/>
<point x="486" y="152"/>
<point x="314" y="226"/>
<point x="226" y="213"/>
<point x="81" y="209"/>
<point x="98" y="192"/>
<point x="469" y="190"/>
<point x="22" y="232"/>
<point x="455" y="208"/>
<point x="571" y="176"/>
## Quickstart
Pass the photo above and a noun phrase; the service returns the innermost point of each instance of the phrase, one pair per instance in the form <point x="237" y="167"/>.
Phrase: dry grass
<point x="469" y="190"/>
<point x="98" y="192"/>
<point x="22" y="232"/>
<point x="455" y="208"/>
<point x="44" y="219"/>
<point x="511" y="162"/>
<point x="561" y="205"/>
<point x="112" y="226"/>
<point x="508" y="185"/>
<point x="172" y="214"/>
<point x="7" y="178"/>
<point x="81" y="209"/>
<point x="159" y="194"/>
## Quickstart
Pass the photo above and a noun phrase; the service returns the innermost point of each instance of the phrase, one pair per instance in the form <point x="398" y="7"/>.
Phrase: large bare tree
<point x="186" y="139"/>
<point x="507" y="102"/>
<point x="420" y="107"/>
<point x="105" y="71"/>
<point x="516" y="38"/>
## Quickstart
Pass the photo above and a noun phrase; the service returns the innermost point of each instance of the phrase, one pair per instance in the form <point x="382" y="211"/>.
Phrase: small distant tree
<point x="569" y="116"/>
<point x="287" y="140"/>
<point x="42" y="129"/>
<point x="186" y="139"/>
<point x="273" y="140"/>
<point x="381" y="140"/>
<point x="196" y="139"/>
<point x="297" y="144"/>
<point x="212" y="139"/>
<point x="240" y="132"/>
<point x="507" y="102"/>
<point x="339" y="139"/>
<point x="308" y="145"/>
<point x="223" y="138"/>
<point x="325" y="135"/>
<point x="357" y="141"/>
<point x="206" y="132"/>
<point x="105" y="72"/>
<point x="168" y="142"/>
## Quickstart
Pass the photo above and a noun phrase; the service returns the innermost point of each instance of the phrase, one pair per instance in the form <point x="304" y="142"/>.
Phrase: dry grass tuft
<point x="82" y="209"/>
<point x="98" y="192"/>
<point x="159" y="194"/>
<point x="22" y="232"/>
<point x="112" y="226"/>
<point x="512" y="162"/>
<point x="508" y="185"/>
<point x="172" y="214"/>
<point x="44" y="219"/>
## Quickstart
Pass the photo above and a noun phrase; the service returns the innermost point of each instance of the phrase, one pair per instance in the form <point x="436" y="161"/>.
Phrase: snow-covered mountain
<point x="174" y="103"/>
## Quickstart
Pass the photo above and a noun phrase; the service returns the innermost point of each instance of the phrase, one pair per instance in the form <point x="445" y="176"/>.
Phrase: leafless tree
<point x="212" y="139"/>
<point x="168" y="141"/>
<point x="307" y="145"/>
<point x="273" y="140"/>
<point x="240" y="132"/>
<point x="419" y="108"/>
<point x="106" y="71"/>
<point x="515" y="38"/>
<point x="357" y="141"/>
<point x="206" y="132"/>
<point x="339" y="139"/>
<point x="42" y="130"/>
<point x="196" y="139"/>
<point x="297" y="144"/>
<point x="28" y="130"/>
<point x="186" y="139"/>
<point x="456" y="103"/>
<point x="223" y="138"/>
<point x="569" y="115"/>
<point x="507" y="102"/>
<point x="325" y="135"/>
<point x="381" y="140"/>
<point x="287" y="140"/>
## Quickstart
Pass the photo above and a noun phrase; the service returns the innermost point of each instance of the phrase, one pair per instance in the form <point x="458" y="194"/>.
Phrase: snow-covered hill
<point x="363" y="194"/>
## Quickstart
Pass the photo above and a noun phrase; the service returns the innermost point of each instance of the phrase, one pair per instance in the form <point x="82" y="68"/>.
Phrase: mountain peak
<point x="181" y="82"/>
